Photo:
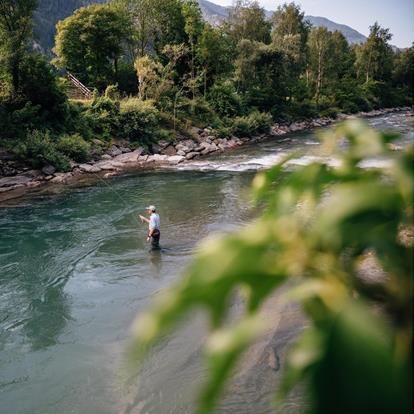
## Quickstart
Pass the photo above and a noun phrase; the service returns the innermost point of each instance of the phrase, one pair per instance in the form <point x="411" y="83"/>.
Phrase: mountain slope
<point x="350" y="34"/>
<point x="49" y="12"/>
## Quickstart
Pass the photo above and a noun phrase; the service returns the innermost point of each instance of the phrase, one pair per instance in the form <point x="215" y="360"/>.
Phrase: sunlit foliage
<point x="319" y="223"/>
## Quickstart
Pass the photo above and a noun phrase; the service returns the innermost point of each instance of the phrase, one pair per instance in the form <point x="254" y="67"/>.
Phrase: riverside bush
<point x="224" y="99"/>
<point x="39" y="149"/>
<point x="138" y="120"/>
<point x="256" y="122"/>
<point x="103" y="116"/>
<point x="74" y="147"/>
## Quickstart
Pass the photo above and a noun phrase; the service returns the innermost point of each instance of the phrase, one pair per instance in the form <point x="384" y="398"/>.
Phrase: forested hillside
<point x="49" y="12"/>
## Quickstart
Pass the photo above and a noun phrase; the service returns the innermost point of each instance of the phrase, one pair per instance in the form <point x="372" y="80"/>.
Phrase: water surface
<point x="75" y="270"/>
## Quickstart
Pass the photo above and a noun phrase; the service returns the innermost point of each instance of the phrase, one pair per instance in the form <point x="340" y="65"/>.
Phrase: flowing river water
<point x="75" y="270"/>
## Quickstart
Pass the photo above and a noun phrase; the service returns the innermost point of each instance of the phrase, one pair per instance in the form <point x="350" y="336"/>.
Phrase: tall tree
<point x="247" y="20"/>
<point x="320" y="51"/>
<point x="15" y="33"/>
<point x="215" y="53"/>
<point x="403" y="68"/>
<point x="193" y="28"/>
<point x="90" y="43"/>
<point x="374" y="57"/>
<point x="290" y="35"/>
<point x="259" y="74"/>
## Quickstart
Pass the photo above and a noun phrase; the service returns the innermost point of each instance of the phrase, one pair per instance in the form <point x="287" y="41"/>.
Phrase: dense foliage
<point x="185" y="72"/>
<point x="319" y="228"/>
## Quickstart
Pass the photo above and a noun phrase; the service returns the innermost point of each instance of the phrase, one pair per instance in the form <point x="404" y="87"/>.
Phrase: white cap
<point x="151" y="208"/>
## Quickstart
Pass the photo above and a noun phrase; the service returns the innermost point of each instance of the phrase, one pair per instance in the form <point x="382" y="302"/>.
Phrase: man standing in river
<point x="154" y="225"/>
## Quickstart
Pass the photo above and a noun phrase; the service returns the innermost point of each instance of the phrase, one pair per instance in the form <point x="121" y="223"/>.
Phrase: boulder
<point x="192" y="155"/>
<point x="156" y="149"/>
<point x="106" y="157"/>
<point x="48" y="170"/>
<point x="163" y="144"/>
<point x="175" y="159"/>
<point x="182" y="153"/>
<point x="13" y="181"/>
<point x="128" y="157"/>
<point x="159" y="157"/>
<point x="170" y="150"/>
<point x="125" y="150"/>
<point x="114" y="151"/>
<point x="106" y="166"/>
<point x="60" y="178"/>
<point x="89" y="168"/>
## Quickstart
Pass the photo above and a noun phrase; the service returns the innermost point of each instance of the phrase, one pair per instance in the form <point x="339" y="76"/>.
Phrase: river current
<point x="75" y="270"/>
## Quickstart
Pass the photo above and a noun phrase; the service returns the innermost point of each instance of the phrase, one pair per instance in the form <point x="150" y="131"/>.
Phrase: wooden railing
<point x="83" y="90"/>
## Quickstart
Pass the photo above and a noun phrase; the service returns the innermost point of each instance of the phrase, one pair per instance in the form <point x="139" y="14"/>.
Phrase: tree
<point x="259" y="74"/>
<point x="142" y="15"/>
<point x="247" y="20"/>
<point x="403" y="68"/>
<point x="290" y="35"/>
<point x="193" y="28"/>
<point x="320" y="50"/>
<point x="15" y="33"/>
<point x="215" y="53"/>
<point x="374" y="57"/>
<point x="90" y="43"/>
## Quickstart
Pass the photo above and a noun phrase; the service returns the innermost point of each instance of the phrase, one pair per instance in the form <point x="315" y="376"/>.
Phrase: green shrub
<point x="112" y="92"/>
<point x="39" y="149"/>
<point x="74" y="147"/>
<point x="138" y="121"/>
<point x="224" y="99"/>
<point x="256" y="122"/>
<point x="330" y="112"/>
<point x="103" y="116"/>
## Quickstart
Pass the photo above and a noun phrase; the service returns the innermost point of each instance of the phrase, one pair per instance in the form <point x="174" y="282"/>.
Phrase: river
<point x="75" y="270"/>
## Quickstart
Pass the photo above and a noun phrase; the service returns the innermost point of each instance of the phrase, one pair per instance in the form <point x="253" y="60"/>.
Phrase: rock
<point x="192" y="155"/>
<point x="60" y="178"/>
<point x="89" y="168"/>
<point x="33" y="174"/>
<point x="9" y="171"/>
<point x="125" y="150"/>
<point x="159" y="157"/>
<point x="128" y="157"/>
<point x="15" y="180"/>
<point x="106" y="166"/>
<point x="114" y="151"/>
<point x="106" y="157"/>
<point x="163" y="144"/>
<point x="48" y="170"/>
<point x="181" y="153"/>
<point x="175" y="159"/>
<point x="143" y="158"/>
<point x="48" y="177"/>
<point x="33" y="184"/>
<point x="156" y="149"/>
<point x="196" y="131"/>
<point x="190" y="144"/>
<point x="170" y="150"/>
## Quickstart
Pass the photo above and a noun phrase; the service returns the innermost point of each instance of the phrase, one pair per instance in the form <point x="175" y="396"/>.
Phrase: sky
<point x="397" y="15"/>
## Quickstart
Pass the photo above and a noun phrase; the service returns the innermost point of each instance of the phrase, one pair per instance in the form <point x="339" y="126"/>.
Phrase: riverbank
<point x="16" y="182"/>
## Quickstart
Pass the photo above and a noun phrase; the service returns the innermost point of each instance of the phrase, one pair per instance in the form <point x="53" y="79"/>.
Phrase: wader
<point x="155" y="239"/>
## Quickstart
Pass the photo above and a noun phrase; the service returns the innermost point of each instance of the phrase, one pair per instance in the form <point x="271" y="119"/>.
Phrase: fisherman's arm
<point x="144" y="219"/>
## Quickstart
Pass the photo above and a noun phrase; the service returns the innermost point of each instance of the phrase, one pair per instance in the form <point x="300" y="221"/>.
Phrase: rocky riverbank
<point x="16" y="180"/>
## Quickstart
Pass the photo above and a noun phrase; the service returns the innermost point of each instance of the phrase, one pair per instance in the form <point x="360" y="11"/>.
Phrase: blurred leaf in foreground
<point x="319" y="223"/>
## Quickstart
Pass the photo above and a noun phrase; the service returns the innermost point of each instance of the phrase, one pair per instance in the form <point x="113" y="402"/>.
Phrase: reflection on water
<point x="75" y="269"/>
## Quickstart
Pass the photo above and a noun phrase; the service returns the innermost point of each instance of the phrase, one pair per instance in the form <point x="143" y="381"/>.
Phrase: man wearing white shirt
<point x="154" y="226"/>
